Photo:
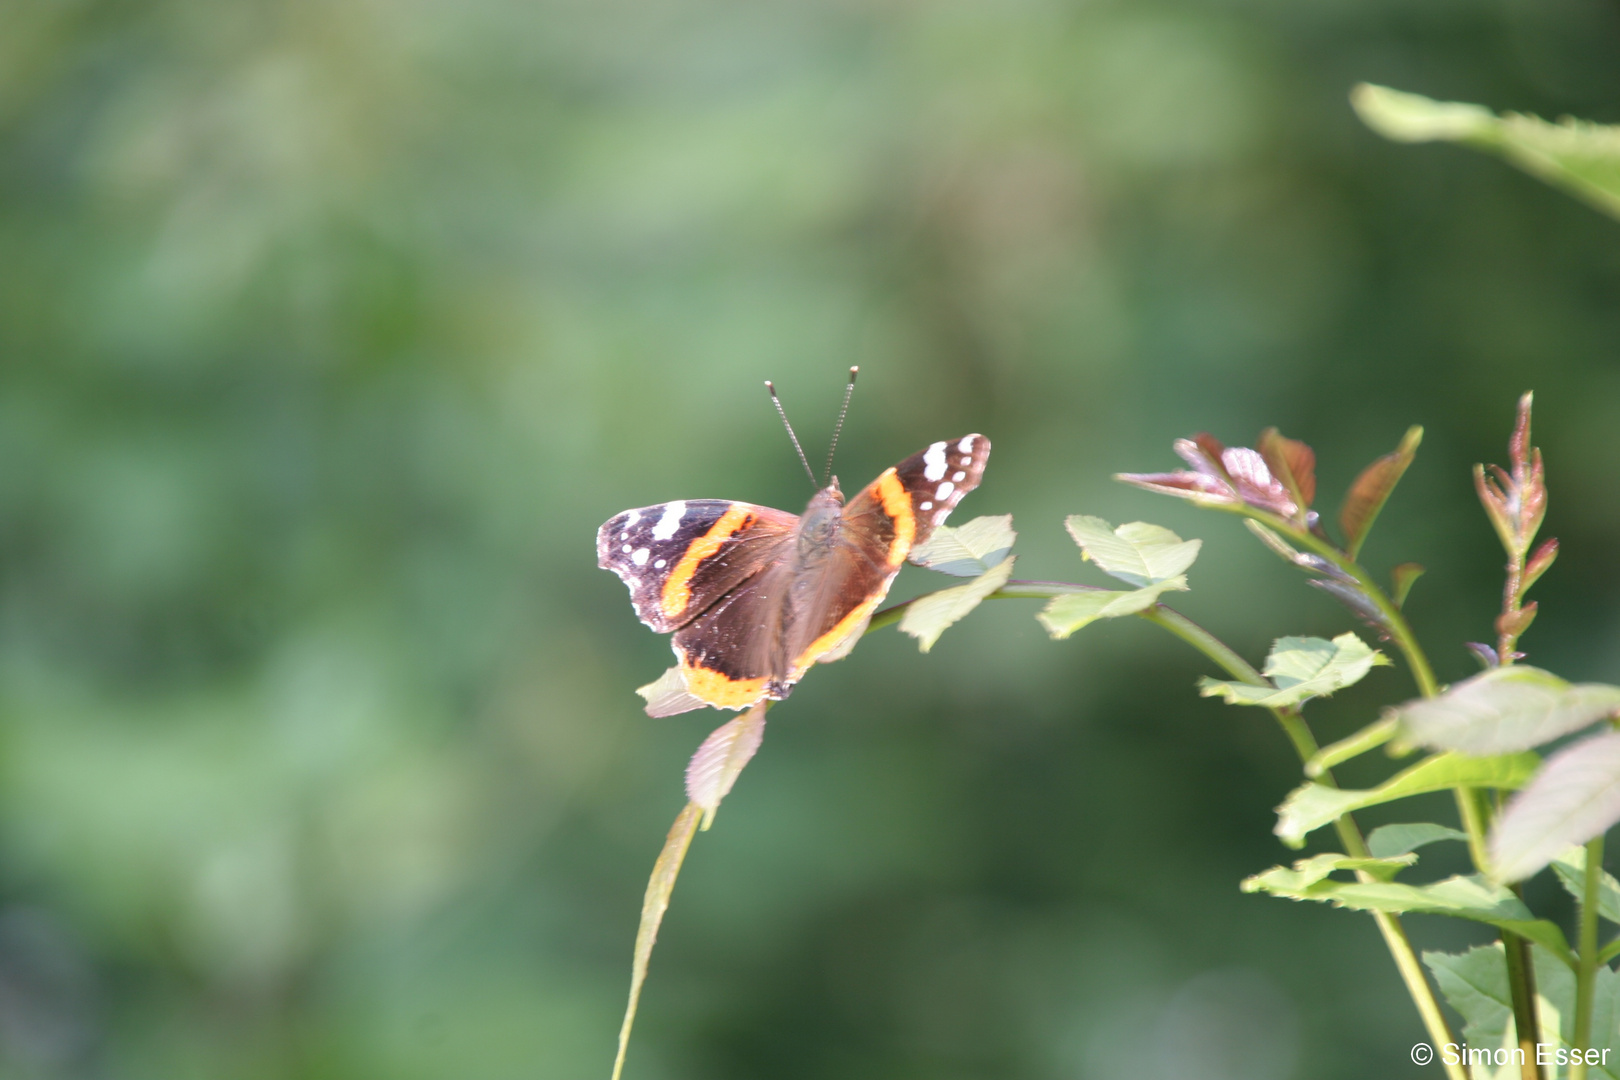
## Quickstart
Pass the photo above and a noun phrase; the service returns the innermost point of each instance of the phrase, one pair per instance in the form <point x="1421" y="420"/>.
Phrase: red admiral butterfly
<point x="755" y="595"/>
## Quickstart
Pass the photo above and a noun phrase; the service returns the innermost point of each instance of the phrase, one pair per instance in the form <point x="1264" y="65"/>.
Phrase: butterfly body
<point x="754" y="596"/>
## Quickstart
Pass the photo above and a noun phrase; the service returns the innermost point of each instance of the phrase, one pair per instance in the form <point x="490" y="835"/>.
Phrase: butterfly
<point x="754" y="596"/>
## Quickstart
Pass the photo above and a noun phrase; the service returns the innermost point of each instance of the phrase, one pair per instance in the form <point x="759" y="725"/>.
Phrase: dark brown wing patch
<point x="679" y="558"/>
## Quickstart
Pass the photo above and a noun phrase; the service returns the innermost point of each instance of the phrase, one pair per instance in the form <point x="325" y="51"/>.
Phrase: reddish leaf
<point x="1538" y="564"/>
<point x="1291" y="462"/>
<point x="1513" y="624"/>
<point x="1372" y="489"/>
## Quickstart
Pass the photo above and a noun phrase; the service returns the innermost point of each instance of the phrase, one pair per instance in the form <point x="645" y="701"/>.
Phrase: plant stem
<point x="1400" y="630"/>
<point x="1586" y="972"/>
<point x="1299" y="733"/>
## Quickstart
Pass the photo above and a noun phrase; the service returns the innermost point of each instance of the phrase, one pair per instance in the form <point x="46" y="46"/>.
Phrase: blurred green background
<point x="331" y="331"/>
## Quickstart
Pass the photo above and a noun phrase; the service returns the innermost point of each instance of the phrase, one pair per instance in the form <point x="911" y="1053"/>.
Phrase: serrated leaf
<point x="1574" y="797"/>
<point x="1462" y="896"/>
<point x="1502" y="710"/>
<point x="967" y="551"/>
<point x="653" y="905"/>
<point x="1312" y="805"/>
<point x="1571" y="870"/>
<point x="1301" y="668"/>
<point x="667" y="695"/>
<point x="719" y="761"/>
<point x="1066" y="614"/>
<point x="931" y="615"/>
<point x="1136" y="553"/>
<point x="1371" y="490"/>
<point x="1306" y="873"/>
<point x="1476" y="985"/>
<point x="1388" y="841"/>
<point x="1580" y="157"/>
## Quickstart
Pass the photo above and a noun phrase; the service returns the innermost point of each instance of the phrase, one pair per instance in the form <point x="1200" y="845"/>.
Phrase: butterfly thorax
<point x="818" y="528"/>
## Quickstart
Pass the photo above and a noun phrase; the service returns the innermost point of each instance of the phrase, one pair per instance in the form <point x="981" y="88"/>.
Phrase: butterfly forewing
<point x="679" y="558"/>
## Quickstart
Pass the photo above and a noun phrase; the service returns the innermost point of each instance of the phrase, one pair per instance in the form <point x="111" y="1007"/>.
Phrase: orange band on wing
<point x="849" y="624"/>
<point x="897" y="504"/>
<point x="721" y="690"/>
<point x="678" y="586"/>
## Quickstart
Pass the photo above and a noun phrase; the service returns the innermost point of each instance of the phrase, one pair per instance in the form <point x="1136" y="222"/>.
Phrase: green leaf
<point x="1574" y="797"/>
<point x="930" y="615"/>
<point x="1389" y="841"/>
<point x="1371" y="490"/>
<point x="1580" y="157"/>
<point x="719" y="761"/>
<point x="1066" y="614"/>
<point x="1502" y="710"/>
<point x="653" y="906"/>
<point x="667" y="695"/>
<point x="1476" y="985"/>
<point x="1371" y="737"/>
<point x="1310" y="806"/>
<point x="968" y="551"/>
<point x="1307" y="873"/>
<point x="1136" y="553"/>
<point x="1301" y="668"/>
<point x="1464" y="897"/>
<point x="1571" y="870"/>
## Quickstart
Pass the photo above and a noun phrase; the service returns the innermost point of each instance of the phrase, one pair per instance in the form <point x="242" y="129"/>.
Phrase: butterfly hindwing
<point x="679" y="558"/>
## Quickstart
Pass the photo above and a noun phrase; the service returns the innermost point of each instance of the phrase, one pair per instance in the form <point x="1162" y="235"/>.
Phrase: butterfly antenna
<point x="770" y="386"/>
<point x="838" y="429"/>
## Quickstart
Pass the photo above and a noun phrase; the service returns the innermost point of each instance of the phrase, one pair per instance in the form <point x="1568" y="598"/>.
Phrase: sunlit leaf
<point x="929" y="616"/>
<point x="1306" y="873"/>
<point x="1371" y="737"/>
<point x="1463" y="896"/>
<point x="1372" y="489"/>
<point x="1580" y="157"/>
<point x="667" y="695"/>
<point x="653" y="906"/>
<point x="718" y="762"/>
<point x="1388" y="841"/>
<point x="1301" y="668"/>
<point x="1310" y="806"/>
<point x="968" y="551"/>
<point x="1476" y="985"/>
<point x="1293" y="463"/>
<point x="1571" y="870"/>
<point x="1066" y="614"/>
<point x="1573" y="798"/>
<point x="1502" y="710"/>
<point x="1136" y="553"/>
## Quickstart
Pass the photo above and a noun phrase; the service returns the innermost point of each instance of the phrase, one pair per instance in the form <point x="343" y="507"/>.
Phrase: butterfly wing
<point x="881" y="525"/>
<point x="679" y="558"/>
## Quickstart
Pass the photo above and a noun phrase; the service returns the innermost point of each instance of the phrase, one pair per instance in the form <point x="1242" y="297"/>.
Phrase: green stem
<point x="1299" y="733"/>
<point x="1400" y="630"/>
<point x="1586" y="972"/>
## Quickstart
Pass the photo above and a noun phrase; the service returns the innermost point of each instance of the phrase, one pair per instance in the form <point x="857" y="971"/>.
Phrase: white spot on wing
<point x="626" y="549"/>
<point x="925" y="506"/>
<point x="944" y="491"/>
<point x="659" y="565"/>
<point x="959" y="477"/>
<point x="934" y="462"/>
<point x="966" y="445"/>
<point x="966" y="462"/>
<point x="640" y="557"/>
<point x="673" y="512"/>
